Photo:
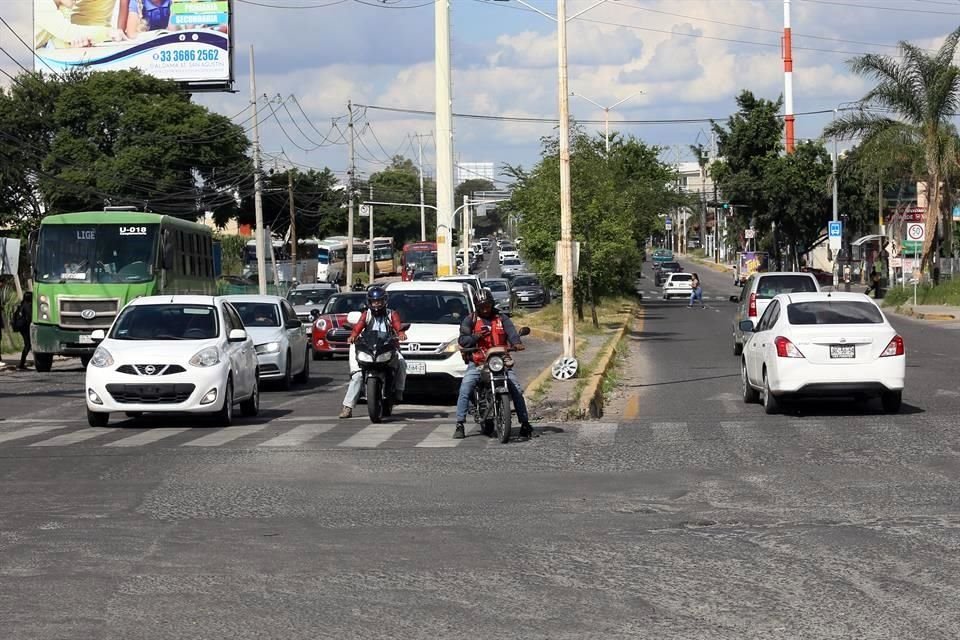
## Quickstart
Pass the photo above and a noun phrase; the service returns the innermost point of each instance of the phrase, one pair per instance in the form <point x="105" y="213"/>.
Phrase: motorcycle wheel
<point x="503" y="418"/>
<point x="374" y="399"/>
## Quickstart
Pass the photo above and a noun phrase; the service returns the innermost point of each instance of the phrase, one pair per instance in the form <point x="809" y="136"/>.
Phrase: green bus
<point x="87" y="266"/>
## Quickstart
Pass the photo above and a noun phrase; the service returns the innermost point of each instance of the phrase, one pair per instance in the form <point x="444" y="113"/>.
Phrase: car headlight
<point x="363" y="356"/>
<point x="385" y="357"/>
<point x="206" y="357"/>
<point x="101" y="358"/>
<point x="268" y="347"/>
<point x="451" y="347"/>
<point x="321" y="324"/>
<point x="495" y="363"/>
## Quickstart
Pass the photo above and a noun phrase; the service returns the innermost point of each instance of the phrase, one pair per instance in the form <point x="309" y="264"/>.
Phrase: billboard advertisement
<point x="181" y="40"/>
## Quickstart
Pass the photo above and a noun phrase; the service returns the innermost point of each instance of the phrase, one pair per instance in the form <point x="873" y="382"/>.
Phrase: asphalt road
<point x="696" y="517"/>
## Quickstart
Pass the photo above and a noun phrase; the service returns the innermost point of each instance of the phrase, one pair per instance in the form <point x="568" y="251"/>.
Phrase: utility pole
<point x="257" y="184"/>
<point x="423" y="209"/>
<point x="293" y="228"/>
<point x="370" y="253"/>
<point x="788" y="118"/>
<point x="566" y="204"/>
<point x="350" y="187"/>
<point x="464" y="241"/>
<point x="836" y="208"/>
<point x="446" y="261"/>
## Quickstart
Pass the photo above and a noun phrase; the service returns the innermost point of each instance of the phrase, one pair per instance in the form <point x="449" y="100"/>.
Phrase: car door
<point x="243" y="358"/>
<point x="759" y="343"/>
<point x="296" y="336"/>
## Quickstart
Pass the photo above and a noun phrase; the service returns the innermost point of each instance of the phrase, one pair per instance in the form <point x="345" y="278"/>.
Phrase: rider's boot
<point x="458" y="433"/>
<point x="526" y="430"/>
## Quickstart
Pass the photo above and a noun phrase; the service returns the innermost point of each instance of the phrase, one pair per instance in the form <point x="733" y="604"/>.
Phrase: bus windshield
<point x="96" y="253"/>
<point x="421" y="259"/>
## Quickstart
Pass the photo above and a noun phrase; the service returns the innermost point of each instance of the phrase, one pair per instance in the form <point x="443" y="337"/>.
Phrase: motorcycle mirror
<point x="525" y="331"/>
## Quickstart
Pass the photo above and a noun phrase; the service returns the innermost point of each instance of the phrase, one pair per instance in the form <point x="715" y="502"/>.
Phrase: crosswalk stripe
<point x="668" y="431"/>
<point x="439" y="438"/>
<point x="28" y="432"/>
<point x="224" y="436"/>
<point x="74" y="437"/>
<point x="297" y="435"/>
<point x="147" y="437"/>
<point x="371" y="436"/>
<point x="597" y="433"/>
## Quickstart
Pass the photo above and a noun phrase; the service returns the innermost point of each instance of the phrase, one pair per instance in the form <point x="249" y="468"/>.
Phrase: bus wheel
<point x="43" y="361"/>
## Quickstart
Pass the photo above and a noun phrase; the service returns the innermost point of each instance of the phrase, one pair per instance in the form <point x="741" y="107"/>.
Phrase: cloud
<point x="675" y="59"/>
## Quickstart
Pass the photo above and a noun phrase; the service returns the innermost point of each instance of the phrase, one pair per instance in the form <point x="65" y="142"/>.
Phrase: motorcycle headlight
<point x="385" y="357"/>
<point x="206" y="357"/>
<point x="495" y="363"/>
<point x="268" y="347"/>
<point x="101" y="358"/>
<point x="363" y="356"/>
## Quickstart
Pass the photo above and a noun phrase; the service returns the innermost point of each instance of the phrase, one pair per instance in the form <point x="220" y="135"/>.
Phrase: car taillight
<point x="786" y="349"/>
<point x="752" y="309"/>
<point x="895" y="348"/>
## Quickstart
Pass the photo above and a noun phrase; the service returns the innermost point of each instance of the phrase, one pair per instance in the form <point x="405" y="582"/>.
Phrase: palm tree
<point x="921" y="91"/>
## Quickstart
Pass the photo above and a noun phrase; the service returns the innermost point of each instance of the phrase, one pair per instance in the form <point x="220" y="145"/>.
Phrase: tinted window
<point x="510" y="262"/>
<point x="232" y="317"/>
<point x="345" y="304"/>
<point x="526" y="281"/>
<point x="496" y="285"/>
<point x="430" y="307"/>
<point x="678" y="277"/>
<point x="770" y="317"/>
<point x="769" y="286"/>
<point x="166" y="322"/>
<point x="309" y="296"/>
<point x="670" y="265"/>
<point x="258" y="314"/>
<point x="834" y="312"/>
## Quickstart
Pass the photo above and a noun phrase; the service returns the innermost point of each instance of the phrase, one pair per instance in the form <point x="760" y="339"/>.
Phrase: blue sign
<point x="835" y="229"/>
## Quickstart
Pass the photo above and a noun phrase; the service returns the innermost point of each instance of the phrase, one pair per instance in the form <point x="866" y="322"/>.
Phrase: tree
<point x="399" y="183"/>
<point x="318" y="203"/>
<point x="923" y="92"/>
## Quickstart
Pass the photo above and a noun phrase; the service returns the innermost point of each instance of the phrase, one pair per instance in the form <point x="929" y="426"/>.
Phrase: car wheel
<point x="287" y="380"/>
<point x="251" y="406"/>
<point x="737" y="348"/>
<point x="891" y="401"/>
<point x="750" y="395"/>
<point x="96" y="419"/>
<point x="770" y="402"/>
<point x="224" y="417"/>
<point x="304" y="376"/>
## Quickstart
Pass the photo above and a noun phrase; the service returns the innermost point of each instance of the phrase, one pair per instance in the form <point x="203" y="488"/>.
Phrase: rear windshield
<point x="770" y="286"/>
<point x="670" y="265"/>
<point x="834" y="312"/>
<point x="676" y="277"/>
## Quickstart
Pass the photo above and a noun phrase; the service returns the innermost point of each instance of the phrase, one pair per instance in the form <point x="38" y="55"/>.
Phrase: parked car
<point x="307" y="297"/>
<point x="500" y="288"/>
<point x="526" y="290"/>
<point x="759" y="290"/>
<point x="822" y="344"/>
<point x="175" y="353"/>
<point x="282" y="340"/>
<point x="678" y="284"/>
<point x="333" y="316"/>
<point x="666" y="268"/>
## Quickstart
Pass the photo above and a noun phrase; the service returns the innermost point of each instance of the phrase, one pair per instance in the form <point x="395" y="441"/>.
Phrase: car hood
<point x="433" y="332"/>
<point x="261" y="335"/>
<point x="155" y="351"/>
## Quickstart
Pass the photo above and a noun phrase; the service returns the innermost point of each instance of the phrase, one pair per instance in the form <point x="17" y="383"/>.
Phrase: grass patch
<point x="615" y="373"/>
<point x="611" y="313"/>
<point x="946" y="293"/>
<point x="541" y="391"/>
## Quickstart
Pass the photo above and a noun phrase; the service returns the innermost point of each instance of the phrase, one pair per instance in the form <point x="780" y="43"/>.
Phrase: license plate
<point x="416" y="368"/>
<point x="843" y="351"/>
<point x="86" y="339"/>
<point x="525" y="298"/>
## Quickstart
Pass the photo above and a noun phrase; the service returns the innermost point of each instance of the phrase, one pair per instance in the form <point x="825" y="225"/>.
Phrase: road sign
<point x="916" y="232"/>
<point x="749" y="234"/>
<point x="835" y="234"/>
<point x="668" y="224"/>
<point x="365" y="210"/>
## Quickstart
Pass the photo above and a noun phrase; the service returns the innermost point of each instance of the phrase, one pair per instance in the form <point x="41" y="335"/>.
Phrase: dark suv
<point x="527" y="291"/>
<point x="666" y="269"/>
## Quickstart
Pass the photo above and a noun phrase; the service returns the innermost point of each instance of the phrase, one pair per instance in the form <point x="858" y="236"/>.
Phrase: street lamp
<point x="606" y="113"/>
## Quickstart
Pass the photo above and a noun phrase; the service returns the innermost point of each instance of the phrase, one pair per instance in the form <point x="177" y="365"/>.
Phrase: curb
<point x="590" y="402"/>
<point x="537" y="382"/>
<point x="723" y="268"/>
<point x="910" y="313"/>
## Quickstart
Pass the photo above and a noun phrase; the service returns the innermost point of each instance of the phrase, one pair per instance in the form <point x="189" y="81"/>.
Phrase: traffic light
<point x="726" y="205"/>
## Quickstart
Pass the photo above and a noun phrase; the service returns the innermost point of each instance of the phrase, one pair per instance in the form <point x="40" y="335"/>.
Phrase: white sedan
<point x="281" y="339"/>
<point x="822" y="344"/>
<point x="678" y="284"/>
<point x="173" y="354"/>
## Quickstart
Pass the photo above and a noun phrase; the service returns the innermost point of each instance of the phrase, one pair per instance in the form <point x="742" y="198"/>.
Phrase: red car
<point x="333" y="316"/>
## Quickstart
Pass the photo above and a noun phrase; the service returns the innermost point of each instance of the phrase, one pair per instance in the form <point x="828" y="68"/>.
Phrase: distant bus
<point x="418" y="256"/>
<point x="87" y="266"/>
<point x="385" y="258"/>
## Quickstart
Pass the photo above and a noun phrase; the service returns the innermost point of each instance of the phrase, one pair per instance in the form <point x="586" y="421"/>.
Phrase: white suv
<point x="434" y="311"/>
<point x="757" y="293"/>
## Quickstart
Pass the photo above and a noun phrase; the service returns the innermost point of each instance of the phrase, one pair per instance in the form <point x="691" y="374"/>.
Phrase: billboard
<point x="185" y="41"/>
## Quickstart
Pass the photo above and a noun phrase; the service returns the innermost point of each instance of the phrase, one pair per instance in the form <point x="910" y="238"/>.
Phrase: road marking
<point x="439" y="438"/>
<point x="372" y="436"/>
<point x="74" y="437"/>
<point x="34" y="420"/>
<point x="732" y="402"/>
<point x="297" y="435"/>
<point x="632" y="409"/>
<point x="147" y="437"/>
<point x="668" y="432"/>
<point x="597" y="433"/>
<point x="224" y="436"/>
<point x="28" y="432"/>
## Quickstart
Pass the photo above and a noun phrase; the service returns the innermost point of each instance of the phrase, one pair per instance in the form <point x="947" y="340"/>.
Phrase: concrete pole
<point x="464" y="241"/>
<point x="257" y="183"/>
<point x="350" y="187"/>
<point x="372" y="270"/>
<point x="446" y="261"/>
<point x="566" y="203"/>
<point x="788" y="78"/>
<point x="606" y="129"/>
<point x="836" y="208"/>
<point x="423" y="209"/>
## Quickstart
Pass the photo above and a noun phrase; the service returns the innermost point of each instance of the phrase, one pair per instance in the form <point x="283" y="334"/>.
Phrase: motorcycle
<point x="375" y="354"/>
<point x="490" y="399"/>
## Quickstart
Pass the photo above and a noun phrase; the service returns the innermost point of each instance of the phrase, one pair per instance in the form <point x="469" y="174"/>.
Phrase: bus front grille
<point x="87" y="313"/>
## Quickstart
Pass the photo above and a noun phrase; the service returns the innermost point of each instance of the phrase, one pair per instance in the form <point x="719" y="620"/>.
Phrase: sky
<point x="689" y="58"/>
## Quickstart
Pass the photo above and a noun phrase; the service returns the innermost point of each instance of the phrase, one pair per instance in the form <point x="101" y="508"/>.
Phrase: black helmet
<point x="486" y="305"/>
<point x="377" y="300"/>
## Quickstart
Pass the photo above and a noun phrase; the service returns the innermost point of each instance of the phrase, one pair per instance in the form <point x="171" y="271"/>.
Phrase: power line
<point x="29" y="48"/>
<point x="836" y="3"/>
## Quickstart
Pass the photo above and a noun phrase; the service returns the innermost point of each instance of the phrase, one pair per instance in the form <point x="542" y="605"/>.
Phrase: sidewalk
<point x="934" y="312"/>
<point x="710" y="264"/>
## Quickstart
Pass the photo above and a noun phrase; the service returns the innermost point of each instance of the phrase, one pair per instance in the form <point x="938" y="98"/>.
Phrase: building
<point x="697" y="182"/>
<point x="475" y="171"/>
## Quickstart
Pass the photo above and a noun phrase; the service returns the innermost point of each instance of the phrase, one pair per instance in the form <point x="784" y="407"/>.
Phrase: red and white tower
<point x="787" y="78"/>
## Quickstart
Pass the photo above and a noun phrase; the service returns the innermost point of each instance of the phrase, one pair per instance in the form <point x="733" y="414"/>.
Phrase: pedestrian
<point x="21" y="324"/>
<point x="874" y="284"/>
<point x="697" y="293"/>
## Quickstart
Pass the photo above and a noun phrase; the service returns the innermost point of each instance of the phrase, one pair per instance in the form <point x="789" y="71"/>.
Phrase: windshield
<point x="96" y="253"/>
<point x="424" y="260"/>
<point x="511" y="262"/>
<point x="300" y="297"/>
<point x="346" y="303"/>
<point x="496" y="285"/>
<point x="383" y="253"/>
<point x="429" y="307"/>
<point x="166" y="322"/>
<point x="526" y="281"/>
<point x="769" y="286"/>
<point x="834" y="312"/>
<point x="258" y="314"/>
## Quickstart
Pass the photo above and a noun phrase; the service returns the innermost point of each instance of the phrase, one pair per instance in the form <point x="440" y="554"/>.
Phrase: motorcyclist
<point x="483" y="330"/>
<point x="377" y="317"/>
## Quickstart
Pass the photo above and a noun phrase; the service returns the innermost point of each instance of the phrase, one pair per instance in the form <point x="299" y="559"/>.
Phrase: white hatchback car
<point x="281" y="339"/>
<point x="678" y="284"/>
<point x="822" y="344"/>
<point x="173" y="354"/>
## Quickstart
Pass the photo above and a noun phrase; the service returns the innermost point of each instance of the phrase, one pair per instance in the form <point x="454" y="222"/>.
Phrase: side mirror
<point x="746" y="326"/>
<point x="98" y="335"/>
<point x="404" y="326"/>
<point x="169" y="253"/>
<point x="293" y="324"/>
<point x="735" y="299"/>
<point x="353" y="317"/>
<point x="314" y="313"/>
<point x="524" y="331"/>
<point x="237" y="335"/>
